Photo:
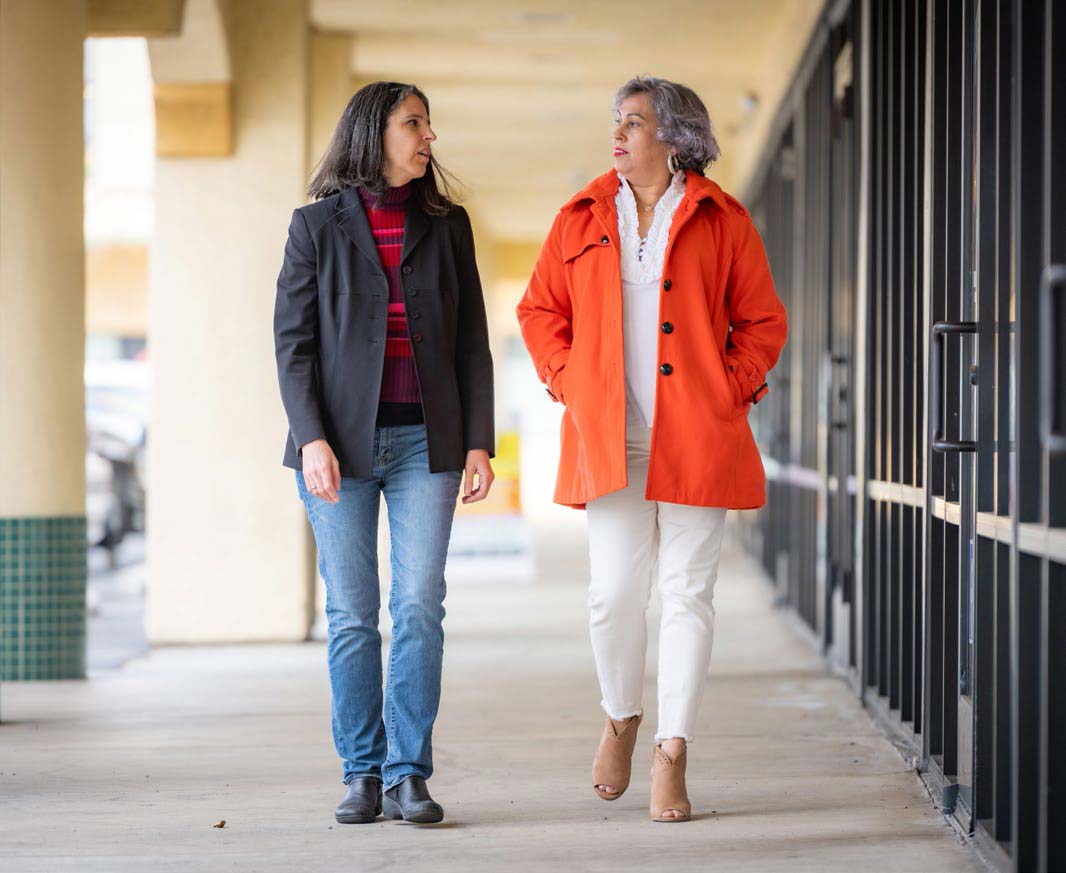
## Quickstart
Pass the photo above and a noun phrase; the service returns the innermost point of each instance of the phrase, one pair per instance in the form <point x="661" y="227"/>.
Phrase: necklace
<point x="648" y="207"/>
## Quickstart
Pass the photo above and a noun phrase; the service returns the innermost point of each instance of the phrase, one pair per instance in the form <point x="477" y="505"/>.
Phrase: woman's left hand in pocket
<point x="477" y="463"/>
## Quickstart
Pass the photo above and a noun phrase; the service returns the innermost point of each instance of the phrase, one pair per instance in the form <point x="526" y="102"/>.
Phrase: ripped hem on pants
<point x="663" y="736"/>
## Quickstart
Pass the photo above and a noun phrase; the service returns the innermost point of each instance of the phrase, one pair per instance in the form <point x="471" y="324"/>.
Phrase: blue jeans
<point x="390" y="740"/>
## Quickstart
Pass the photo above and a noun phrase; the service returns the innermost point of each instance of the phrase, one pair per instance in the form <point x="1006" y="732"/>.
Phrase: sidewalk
<point x="130" y="770"/>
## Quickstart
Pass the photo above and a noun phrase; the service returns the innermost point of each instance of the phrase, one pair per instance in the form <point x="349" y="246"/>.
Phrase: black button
<point x="417" y="337"/>
<point x="666" y="284"/>
<point x="415" y="314"/>
<point x="604" y="240"/>
<point x="407" y="269"/>
<point x="413" y="292"/>
<point x="667" y="327"/>
<point x="666" y="369"/>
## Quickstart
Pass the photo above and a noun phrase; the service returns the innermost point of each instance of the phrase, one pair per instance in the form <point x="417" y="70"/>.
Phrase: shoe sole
<point x="391" y="809"/>
<point x="361" y="818"/>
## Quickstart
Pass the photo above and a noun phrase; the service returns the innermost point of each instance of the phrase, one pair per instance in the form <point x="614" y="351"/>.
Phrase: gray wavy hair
<point x="683" y="120"/>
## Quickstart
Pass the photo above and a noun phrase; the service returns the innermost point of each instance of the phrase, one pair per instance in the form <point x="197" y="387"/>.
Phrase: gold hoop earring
<point x="671" y="165"/>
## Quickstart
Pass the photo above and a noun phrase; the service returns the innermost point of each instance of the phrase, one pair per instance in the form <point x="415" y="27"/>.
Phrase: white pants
<point x="627" y="534"/>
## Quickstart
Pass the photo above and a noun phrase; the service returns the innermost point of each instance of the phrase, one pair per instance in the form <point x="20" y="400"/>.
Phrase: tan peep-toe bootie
<point x="668" y="785"/>
<point x="614" y="757"/>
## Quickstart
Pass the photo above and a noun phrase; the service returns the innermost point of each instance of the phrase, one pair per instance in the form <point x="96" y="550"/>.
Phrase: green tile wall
<point x="42" y="598"/>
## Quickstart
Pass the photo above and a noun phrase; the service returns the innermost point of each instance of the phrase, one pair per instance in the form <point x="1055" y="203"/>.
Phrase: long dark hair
<point x="356" y="153"/>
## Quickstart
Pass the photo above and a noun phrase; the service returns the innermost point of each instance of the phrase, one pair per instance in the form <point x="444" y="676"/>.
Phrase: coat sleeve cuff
<point x="556" y="364"/>
<point x="480" y="439"/>
<point x="750" y="382"/>
<point x="306" y="434"/>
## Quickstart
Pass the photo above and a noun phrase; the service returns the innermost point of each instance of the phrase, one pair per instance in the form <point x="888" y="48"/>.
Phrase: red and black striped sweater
<point x="400" y="401"/>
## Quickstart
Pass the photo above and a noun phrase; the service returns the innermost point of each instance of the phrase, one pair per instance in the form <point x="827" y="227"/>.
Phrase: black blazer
<point x="329" y="333"/>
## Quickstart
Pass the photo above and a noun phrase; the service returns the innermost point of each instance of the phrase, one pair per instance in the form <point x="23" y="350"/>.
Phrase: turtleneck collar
<point x="391" y="197"/>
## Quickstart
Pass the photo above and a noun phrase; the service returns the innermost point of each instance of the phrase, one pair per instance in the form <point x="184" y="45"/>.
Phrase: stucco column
<point x="228" y="544"/>
<point x="331" y="87"/>
<point x="42" y="341"/>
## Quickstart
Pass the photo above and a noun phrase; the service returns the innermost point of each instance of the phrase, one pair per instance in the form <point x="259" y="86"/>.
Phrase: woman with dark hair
<point x="386" y="378"/>
<point x="652" y="316"/>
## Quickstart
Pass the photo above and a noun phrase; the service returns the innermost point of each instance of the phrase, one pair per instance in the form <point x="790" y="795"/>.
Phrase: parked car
<point x="102" y="510"/>
<point x="116" y="412"/>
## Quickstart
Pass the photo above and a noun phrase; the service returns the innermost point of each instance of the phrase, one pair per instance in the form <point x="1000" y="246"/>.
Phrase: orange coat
<point x="715" y="275"/>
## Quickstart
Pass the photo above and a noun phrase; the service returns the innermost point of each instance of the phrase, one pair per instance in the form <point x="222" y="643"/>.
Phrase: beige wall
<point x="331" y="87"/>
<point x="227" y="542"/>
<point x="116" y="289"/>
<point x="135" y="17"/>
<point x="786" y="38"/>
<point x="42" y="320"/>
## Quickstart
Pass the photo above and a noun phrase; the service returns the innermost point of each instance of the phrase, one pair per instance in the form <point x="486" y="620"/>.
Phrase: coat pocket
<point x="726" y="399"/>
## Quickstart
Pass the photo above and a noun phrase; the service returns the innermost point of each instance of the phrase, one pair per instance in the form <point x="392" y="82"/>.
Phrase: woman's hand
<point x="322" y="472"/>
<point x="477" y="463"/>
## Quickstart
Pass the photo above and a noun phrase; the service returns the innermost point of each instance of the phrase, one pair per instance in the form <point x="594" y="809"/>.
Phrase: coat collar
<point x="351" y="218"/>
<point x="416" y="224"/>
<point x="697" y="187"/>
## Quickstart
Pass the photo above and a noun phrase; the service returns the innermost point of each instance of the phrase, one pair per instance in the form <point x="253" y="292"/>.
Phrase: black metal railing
<point x="912" y="198"/>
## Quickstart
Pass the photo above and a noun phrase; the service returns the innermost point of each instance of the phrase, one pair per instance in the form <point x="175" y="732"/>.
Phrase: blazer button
<point x="667" y="327"/>
<point x="415" y="314"/>
<point x="667" y="284"/>
<point x="604" y="240"/>
<point x="417" y="337"/>
<point x="407" y="269"/>
<point x="413" y="292"/>
<point x="666" y="369"/>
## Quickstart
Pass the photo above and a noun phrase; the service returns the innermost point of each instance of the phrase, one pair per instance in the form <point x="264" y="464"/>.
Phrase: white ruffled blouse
<point x="642" y="270"/>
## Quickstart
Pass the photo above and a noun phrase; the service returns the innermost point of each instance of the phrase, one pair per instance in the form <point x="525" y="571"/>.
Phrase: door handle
<point x="1052" y="403"/>
<point x="940" y="331"/>
<point x="837" y="360"/>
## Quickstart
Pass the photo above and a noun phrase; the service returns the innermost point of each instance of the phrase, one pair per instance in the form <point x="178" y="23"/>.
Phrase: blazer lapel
<point x="415" y="226"/>
<point x="351" y="218"/>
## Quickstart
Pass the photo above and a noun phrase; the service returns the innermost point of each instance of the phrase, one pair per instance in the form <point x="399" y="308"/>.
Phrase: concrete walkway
<point x="130" y="770"/>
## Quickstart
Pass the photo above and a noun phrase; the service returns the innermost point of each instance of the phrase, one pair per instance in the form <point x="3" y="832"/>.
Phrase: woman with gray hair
<point x="651" y="316"/>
